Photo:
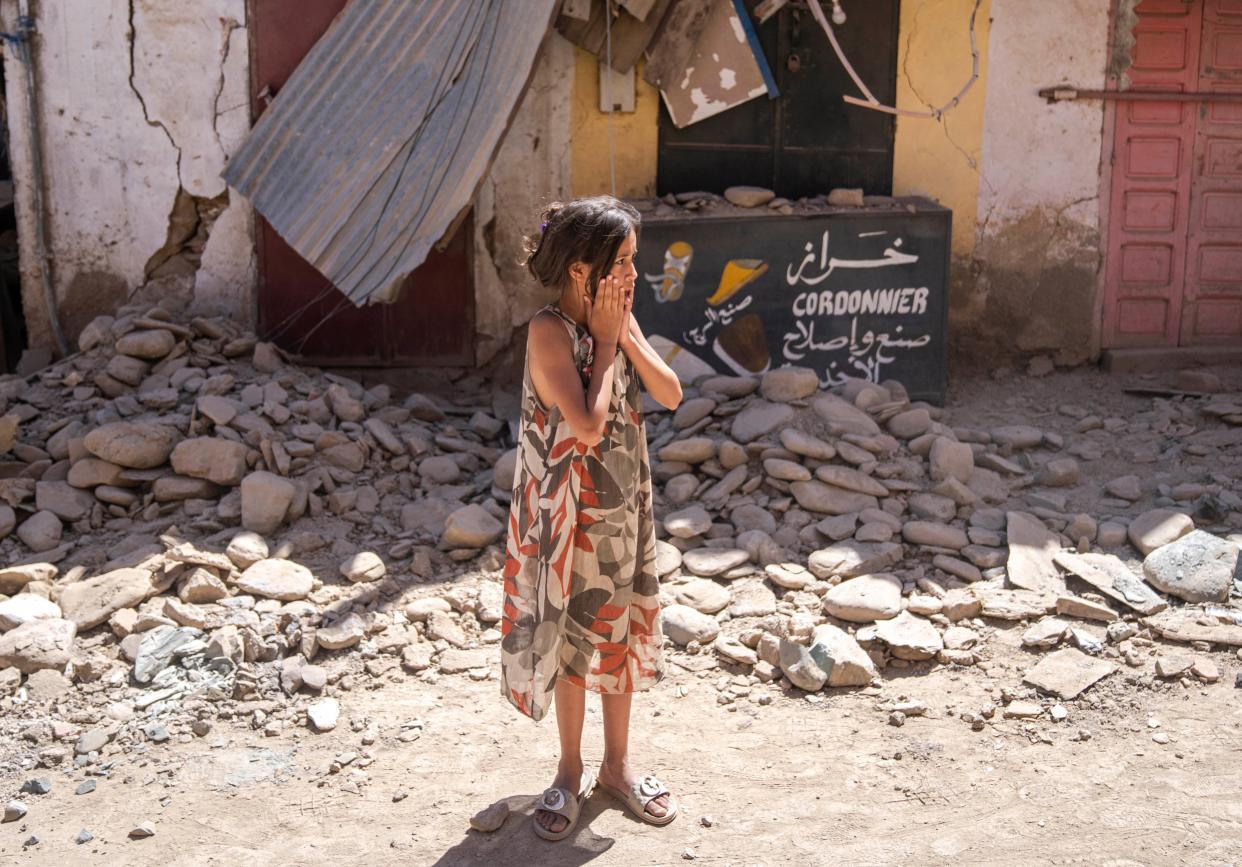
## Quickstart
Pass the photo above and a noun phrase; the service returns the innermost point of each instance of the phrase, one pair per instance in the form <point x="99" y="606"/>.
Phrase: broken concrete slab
<point x="1032" y="547"/>
<point x="1112" y="577"/>
<point x="1067" y="673"/>
<point x="1195" y="625"/>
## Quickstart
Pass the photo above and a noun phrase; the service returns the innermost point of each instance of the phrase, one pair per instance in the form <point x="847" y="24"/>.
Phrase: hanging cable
<point x="874" y="104"/>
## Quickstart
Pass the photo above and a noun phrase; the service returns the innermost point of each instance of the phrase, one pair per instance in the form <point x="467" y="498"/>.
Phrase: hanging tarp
<point x="379" y="139"/>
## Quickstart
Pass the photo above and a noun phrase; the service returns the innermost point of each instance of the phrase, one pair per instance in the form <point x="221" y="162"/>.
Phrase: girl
<point x="581" y="609"/>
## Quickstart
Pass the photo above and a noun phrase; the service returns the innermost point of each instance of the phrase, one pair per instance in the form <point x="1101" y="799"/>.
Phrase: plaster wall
<point x="1038" y="249"/>
<point x="635" y="135"/>
<point x="532" y="168"/>
<point x="140" y="104"/>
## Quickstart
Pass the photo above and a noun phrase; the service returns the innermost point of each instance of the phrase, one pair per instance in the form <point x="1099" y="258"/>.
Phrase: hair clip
<point x="543" y="227"/>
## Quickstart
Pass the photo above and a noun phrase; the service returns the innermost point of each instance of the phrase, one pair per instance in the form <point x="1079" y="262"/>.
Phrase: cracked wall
<point x="532" y="167"/>
<point x="141" y="102"/>
<point x="1035" y="270"/>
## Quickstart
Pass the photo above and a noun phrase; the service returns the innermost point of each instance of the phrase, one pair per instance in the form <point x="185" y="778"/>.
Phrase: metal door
<point x="431" y="322"/>
<point x="1212" y="310"/>
<point x="1149" y="208"/>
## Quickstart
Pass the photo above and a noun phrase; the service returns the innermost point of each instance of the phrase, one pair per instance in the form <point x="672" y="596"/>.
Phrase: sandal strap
<point x="559" y="802"/>
<point x="647" y="789"/>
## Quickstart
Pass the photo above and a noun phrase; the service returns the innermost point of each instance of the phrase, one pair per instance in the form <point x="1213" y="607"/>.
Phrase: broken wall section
<point x="141" y="103"/>
<point x="532" y="168"/>
<point x="1038" y="246"/>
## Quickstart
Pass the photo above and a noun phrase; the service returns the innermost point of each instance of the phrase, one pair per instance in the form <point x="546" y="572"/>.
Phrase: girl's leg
<point x="570" y="708"/>
<point x="615" y="771"/>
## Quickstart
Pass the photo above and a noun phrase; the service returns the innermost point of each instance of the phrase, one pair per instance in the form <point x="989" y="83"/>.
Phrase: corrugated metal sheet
<point x="379" y="139"/>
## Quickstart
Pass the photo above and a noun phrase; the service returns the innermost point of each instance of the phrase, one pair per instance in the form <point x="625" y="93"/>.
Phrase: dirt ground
<point x="771" y="779"/>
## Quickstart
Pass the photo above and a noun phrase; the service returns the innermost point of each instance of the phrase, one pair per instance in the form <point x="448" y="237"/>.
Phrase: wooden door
<point x="1212" y="309"/>
<point x="1149" y="208"/>
<point x="432" y="320"/>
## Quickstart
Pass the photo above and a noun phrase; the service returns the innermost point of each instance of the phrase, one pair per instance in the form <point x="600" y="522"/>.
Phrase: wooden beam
<point x="673" y="45"/>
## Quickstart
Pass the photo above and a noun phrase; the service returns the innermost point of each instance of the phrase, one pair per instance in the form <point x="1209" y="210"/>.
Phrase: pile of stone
<point x="194" y="527"/>
<point x="820" y="537"/>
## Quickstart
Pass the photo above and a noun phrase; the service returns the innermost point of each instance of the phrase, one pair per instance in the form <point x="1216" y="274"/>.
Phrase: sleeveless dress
<point x="580" y="584"/>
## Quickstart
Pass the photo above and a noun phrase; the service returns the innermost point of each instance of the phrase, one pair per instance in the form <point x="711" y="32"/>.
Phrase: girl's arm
<point x="657" y="377"/>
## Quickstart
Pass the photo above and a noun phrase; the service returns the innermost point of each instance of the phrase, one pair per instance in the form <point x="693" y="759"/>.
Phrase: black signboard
<point x="850" y="293"/>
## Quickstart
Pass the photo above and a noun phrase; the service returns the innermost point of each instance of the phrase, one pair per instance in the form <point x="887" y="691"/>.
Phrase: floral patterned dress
<point x="580" y="579"/>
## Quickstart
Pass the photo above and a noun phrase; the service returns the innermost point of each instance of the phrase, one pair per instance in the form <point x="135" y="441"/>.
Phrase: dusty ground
<point x="818" y="780"/>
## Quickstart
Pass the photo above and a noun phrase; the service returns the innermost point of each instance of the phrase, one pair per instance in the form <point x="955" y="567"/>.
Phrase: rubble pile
<point x="195" y="529"/>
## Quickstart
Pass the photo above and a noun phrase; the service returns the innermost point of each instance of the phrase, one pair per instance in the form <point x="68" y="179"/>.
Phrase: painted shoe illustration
<point x="737" y="274"/>
<point x="743" y="346"/>
<point x="676" y="263"/>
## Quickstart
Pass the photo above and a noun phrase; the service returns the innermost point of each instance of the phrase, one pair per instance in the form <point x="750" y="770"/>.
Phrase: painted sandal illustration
<point x="737" y="274"/>
<point x="676" y="264"/>
<point x="743" y="346"/>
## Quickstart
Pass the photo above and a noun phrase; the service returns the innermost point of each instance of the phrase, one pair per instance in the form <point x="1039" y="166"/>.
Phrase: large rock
<point x="150" y="344"/>
<point x="682" y="624"/>
<point x="1067" y="673"/>
<point x="950" y="459"/>
<point x="865" y="599"/>
<point x="850" y="479"/>
<point x="748" y="197"/>
<point x="688" y="523"/>
<point x="217" y="460"/>
<point x="709" y="562"/>
<point x="63" y="500"/>
<point x="364" y="566"/>
<point x="157" y="647"/>
<point x="139" y="446"/>
<point x="703" y="595"/>
<point x="38" y="644"/>
<point x="89" y="603"/>
<point x="41" y="531"/>
<point x="815" y="496"/>
<point x="910" y="424"/>
<point x="800" y="667"/>
<point x="277" y="579"/>
<point x="265" y="500"/>
<point x="840" y="657"/>
<point x="25" y="607"/>
<point x="92" y="472"/>
<point x="910" y="637"/>
<point x="1032" y="548"/>
<point x="758" y="418"/>
<point x="934" y="534"/>
<point x="471" y="526"/>
<point x="246" y="548"/>
<point x="14" y="578"/>
<point x="751" y="599"/>
<point x="1159" y="527"/>
<point x="344" y="632"/>
<point x="505" y="471"/>
<point x="843" y="417"/>
<point x="1198" y="567"/>
<point x="806" y="445"/>
<point x="8" y="520"/>
<point x="691" y="450"/>
<point x="789" y="383"/>
<point x="849" y="559"/>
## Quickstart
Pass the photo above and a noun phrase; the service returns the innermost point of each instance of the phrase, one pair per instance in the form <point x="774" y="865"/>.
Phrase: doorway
<point x="432" y="321"/>
<point x="1173" y="275"/>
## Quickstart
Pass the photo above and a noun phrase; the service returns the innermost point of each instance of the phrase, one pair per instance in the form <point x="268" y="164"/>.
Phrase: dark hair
<point x="585" y="230"/>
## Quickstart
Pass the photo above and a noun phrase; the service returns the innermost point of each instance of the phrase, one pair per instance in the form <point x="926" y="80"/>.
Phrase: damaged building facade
<point x="1080" y="224"/>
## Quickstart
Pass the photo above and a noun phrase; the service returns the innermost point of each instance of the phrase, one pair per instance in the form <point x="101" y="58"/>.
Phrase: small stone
<point x="688" y="523"/>
<point x="709" y="562"/>
<point x="342" y="633"/>
<point x="748" y="197"/>
<point x="1067" y="673"/>
<point x="910" y="637"/>
<point x="14" y="810"/>
<point x="246" y="548"/>
<point x="141" y="832"/>
<point x="1157" y="528"/>
<point x="682" y="624"/>
<point x="1173" y="664"/>
<point x="471" y="526"/>
<point x="85" y="788"/>
<point x="83" y="836"/>
<point x="24" y="607"/>
<point x="1197" y="567"/>
<point x="759" y="418"/>
<point x="800" y="667"/>
<point x="265" y="501"/>
<point x="324" y="714"/>
<point x="130" y="444"/>
<point x="840" y="657"/>
<point x="865" y="599"/>
<point x="846" y="197"/>
<point x="37" y="786"/>
<point x="38" y="644"/>
<point x="785" y="384"/>
<point x="277" y="579"/>
<point x="366" y="566"/>
<point x="703" y="595"/>
<point x="490" y="818"/>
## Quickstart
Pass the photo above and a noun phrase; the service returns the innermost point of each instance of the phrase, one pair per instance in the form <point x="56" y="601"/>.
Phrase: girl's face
<point x="623" y="267"/>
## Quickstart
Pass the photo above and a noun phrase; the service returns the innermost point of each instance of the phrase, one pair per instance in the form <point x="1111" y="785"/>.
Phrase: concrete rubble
<point x="195" y="530"/>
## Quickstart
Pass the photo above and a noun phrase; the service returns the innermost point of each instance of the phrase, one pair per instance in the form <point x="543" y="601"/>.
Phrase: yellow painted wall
<point x="934" y="158"/>
<point x="634" y="134"/>
<point x="941" y="158"/>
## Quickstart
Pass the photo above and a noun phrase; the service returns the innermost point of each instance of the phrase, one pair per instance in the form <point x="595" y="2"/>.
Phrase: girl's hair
<point x="584" y="230"/>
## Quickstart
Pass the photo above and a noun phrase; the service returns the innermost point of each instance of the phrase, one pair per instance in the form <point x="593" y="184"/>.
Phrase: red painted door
<point x="1174" y="270"/>
<point x="431" y="322"/>
<point x="1212" y="311"/>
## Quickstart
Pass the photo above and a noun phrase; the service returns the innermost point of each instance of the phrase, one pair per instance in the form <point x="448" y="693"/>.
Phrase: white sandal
<point x="641" y="794"/>
<point x="562" y="802"/>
